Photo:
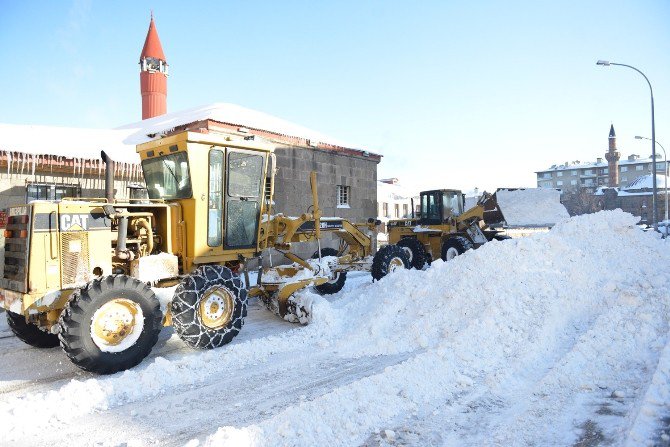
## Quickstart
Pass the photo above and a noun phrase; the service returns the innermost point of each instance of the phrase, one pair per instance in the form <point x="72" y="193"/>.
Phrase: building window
<point x="51" y="191"/>
<point x="385" y="209"/>
<point x="624" y="168"/>
<point x="559" y="183"/>
<point x="343" y="193"/>
<point x="396" y="211"/>
<point x="588" y="172"/>
<point x="573" y="182"/>
<point x="606" y="171"/>
<point x="639" y="167"/>
<point x="575" y="172"/>
<point x="559" y="174"/>
<point x="405" y="210"/>
<point x="660" y="167"/>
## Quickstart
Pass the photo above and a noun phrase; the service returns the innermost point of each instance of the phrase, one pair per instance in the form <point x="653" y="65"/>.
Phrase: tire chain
<point x="186" y="315"/>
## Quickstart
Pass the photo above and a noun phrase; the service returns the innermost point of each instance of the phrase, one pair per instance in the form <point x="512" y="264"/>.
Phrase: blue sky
<point x="454" y="94"/>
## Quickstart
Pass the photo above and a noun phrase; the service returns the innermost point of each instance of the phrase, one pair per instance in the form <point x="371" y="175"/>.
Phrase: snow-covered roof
<point x="596" y="164"/>
<point x="230" y="114"/>
<point x="69" y="142"/>
<point x="646" y="181"/>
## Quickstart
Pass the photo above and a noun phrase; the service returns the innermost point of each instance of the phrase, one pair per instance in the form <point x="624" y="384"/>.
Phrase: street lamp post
<point x="654" y="202"/>
<point x="665" y="174"/>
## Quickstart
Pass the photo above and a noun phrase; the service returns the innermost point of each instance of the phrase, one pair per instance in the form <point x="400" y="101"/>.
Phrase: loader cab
<point x="220" y="183"/>
<point x="440" y="205"/>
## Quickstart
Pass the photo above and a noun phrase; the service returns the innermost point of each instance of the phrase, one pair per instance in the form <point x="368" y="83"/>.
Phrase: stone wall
<point x="293" y="194"/>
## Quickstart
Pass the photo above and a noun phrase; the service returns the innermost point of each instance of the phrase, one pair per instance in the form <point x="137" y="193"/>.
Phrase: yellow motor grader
<point x="80" y="272"/>
<point x="443" y="229"/>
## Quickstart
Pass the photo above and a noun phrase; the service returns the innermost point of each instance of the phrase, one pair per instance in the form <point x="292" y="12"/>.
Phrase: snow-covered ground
<point x="556" y="339"/>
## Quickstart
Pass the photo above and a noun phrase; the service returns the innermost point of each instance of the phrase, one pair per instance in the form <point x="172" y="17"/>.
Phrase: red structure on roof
<point x="153" y="75"/>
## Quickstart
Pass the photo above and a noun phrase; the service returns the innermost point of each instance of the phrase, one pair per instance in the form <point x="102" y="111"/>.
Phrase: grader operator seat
<point x="437" y="206"/>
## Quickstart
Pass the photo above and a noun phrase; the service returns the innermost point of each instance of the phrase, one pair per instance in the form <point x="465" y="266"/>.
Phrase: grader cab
<point x="82" y="273"/>
<point x="443" y="229"/>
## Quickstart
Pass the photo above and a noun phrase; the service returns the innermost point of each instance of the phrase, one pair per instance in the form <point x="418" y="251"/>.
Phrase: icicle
<point x="9" y="164"/>
<point x="32" y="159"/>
<point x="22" y="162"/>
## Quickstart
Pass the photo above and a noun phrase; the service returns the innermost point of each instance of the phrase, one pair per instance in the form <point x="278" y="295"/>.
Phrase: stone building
<point x="602" y="172"/>
<point x="634" y="198"/>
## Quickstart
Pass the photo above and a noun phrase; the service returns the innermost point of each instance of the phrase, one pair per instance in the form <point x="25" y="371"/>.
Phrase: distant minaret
<point x="153" y="75"/>
<point x="612" y="156"/>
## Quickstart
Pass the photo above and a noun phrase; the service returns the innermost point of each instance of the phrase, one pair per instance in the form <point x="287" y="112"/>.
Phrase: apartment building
<point x="608" y="172"/>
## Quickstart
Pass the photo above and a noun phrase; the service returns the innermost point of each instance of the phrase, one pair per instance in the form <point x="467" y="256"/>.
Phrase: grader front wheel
<point x="335" y="283"/>
<point x="110" y="325"/>
<point x="209" y="307"/>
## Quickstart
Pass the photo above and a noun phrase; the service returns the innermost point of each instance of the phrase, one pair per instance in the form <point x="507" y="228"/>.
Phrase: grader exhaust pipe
<point x="109" y="176"/>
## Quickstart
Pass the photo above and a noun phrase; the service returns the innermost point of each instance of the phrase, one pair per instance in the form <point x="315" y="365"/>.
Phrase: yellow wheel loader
<point x="443" y="229"/>
<point x="82" y="273"/>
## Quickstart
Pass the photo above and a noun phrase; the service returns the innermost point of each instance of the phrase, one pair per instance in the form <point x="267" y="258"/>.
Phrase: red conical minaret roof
<point x="152" y="44"/>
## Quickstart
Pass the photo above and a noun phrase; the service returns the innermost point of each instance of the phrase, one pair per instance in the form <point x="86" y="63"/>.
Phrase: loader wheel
<point x="388" y="259"/>
<point x="416" y="253"/>
<point x="454" y="246"/>
<point x="30" y="333"/>
<point x="110" y="325"/>
<point x="209" y="307"/>
<point x="335" y="284"/>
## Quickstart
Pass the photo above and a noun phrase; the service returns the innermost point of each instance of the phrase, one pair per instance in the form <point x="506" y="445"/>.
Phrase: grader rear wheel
<point x="110" y="325"/>
<point x="30" y="333"/>
<point x="209" y="307"/>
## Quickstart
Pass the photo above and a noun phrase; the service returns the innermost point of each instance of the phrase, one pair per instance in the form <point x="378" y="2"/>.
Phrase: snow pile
<point x="515" y="343"/>
<point x="588" y="292"/>
<point x="531" y="207"/>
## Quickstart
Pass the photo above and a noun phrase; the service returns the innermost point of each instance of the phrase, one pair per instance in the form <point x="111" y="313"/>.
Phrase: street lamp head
<point x="637" y="137"/>
<point x="605" y="63"/>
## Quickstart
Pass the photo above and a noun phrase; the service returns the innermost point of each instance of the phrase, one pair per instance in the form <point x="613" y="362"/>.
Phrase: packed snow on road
<point x="560" y="338"/>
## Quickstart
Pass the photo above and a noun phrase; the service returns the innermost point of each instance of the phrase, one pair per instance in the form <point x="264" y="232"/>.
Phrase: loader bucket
<point x="524" y="207"/>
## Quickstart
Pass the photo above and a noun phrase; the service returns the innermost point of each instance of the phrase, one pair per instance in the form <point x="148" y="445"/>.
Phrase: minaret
<point x="153" y="75"/>
<point x="612" y="156"/>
